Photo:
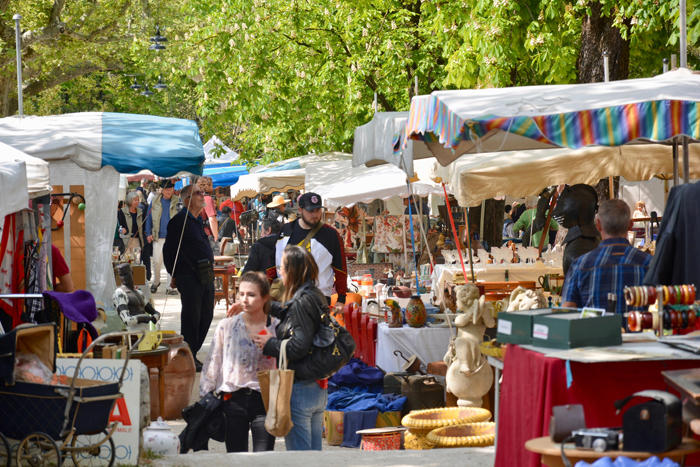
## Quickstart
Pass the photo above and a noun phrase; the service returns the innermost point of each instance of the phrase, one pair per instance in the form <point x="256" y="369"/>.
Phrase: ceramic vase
<point x="159" y="439"/>
<point x="415" y="312"/>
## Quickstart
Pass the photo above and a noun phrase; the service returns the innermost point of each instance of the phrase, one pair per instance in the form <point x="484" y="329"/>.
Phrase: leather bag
<point x="332" y="347"/>
<point x="277" y="395"/>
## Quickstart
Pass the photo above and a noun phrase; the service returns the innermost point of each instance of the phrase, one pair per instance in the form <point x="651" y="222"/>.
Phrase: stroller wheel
<point x="38" y="449"/>
<point x="5" y="453"/>
<point x="95" y="449"/>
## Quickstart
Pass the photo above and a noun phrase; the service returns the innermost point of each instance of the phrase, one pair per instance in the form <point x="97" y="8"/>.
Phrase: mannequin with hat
<point x="322" y="240"/>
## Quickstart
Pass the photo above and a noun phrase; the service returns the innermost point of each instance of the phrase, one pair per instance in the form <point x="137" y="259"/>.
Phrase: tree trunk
<point x="597" y="36"/>
<point x="493" y="221"/>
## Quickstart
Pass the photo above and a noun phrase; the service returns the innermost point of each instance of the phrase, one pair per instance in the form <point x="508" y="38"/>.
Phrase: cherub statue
<point x="526" y="299"/>
<point x="469" y="376"/>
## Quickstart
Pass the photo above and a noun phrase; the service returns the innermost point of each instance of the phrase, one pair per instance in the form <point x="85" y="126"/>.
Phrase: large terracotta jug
<point x="179" y="378"/>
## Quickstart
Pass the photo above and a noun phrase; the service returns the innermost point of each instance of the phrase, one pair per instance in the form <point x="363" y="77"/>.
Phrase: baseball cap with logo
<point x="310" y="201"/>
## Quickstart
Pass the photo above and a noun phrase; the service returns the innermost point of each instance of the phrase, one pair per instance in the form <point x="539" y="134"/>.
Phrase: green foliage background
<point x="281" y="78"/>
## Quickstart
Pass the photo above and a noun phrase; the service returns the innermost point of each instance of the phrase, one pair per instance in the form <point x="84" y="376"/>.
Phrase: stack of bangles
<point x="643" y="295"/>
<point x="672" y="319"/>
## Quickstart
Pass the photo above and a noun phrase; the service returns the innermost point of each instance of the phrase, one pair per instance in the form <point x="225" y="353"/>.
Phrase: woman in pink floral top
<point x="234" y="361"/>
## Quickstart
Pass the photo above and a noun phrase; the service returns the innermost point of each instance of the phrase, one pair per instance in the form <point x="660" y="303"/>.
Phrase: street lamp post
<point x="18" y="47"/>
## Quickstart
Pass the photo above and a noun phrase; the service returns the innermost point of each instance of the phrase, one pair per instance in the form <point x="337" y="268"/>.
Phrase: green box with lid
<point x="515" y="327"/>
<point x="568" y="330"/>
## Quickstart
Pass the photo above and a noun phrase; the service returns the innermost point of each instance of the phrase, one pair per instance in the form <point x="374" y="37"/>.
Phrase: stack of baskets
<point x="448" y="427"/>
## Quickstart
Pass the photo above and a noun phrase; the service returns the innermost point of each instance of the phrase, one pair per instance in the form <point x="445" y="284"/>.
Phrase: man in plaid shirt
<point x="611" y="266"/>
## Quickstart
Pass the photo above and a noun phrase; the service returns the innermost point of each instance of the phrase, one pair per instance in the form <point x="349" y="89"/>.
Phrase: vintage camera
<point x="598" y="439"/>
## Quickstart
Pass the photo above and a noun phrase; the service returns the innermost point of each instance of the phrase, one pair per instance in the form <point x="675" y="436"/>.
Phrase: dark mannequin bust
<point x="576" y="211"/>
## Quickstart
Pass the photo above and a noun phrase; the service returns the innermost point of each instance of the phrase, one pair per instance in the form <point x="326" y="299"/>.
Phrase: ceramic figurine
<point x="469" y="376"/>
<point x="415" y="312"/>
<point x="526" y="299"/>
<point x="395" y="320"/>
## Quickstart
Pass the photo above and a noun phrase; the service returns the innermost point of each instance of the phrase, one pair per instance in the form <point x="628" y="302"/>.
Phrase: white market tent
<point x="288" y="174"/>
<point x="216" y="152"/>
<point x="573" y="115"/>
<point x="91" y="149"/>
<point x="475" y="177"/>
<point x="22" y="177"/>
<point x="267" y="182"/>
<point x="340" y="184"/>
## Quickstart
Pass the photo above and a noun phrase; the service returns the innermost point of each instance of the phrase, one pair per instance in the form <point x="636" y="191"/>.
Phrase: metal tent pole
<point x="686" y="160"/>
<point x="18" y="47"/>
<point x="684" y="34"/>
<point x="675" y="162"/>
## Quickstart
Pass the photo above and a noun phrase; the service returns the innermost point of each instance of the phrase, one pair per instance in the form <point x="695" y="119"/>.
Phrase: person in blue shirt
<point x="608" y="268"/>
<point x="162" y="209"/>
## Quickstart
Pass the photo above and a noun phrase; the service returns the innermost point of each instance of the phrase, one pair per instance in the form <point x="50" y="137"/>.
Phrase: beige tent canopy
<point x="475" y="177"/>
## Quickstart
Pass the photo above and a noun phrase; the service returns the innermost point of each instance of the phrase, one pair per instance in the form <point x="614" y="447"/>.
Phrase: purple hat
<point x="310" y="201"/>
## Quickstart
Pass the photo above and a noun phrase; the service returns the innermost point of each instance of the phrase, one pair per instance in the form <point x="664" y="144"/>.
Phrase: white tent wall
<point x="13" y="180"/>
<point x="649" y="191"/>
<point x="101" y="197"/>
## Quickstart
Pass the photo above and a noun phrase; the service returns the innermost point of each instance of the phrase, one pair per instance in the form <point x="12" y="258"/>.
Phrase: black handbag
<point x="332" y="347"/>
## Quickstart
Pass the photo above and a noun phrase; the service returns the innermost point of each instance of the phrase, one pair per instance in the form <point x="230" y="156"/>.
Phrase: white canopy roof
<point x="571" y="115"/>
<point x="267" y="182"/>
<point x="21" y="177"/>
<point x="340" y="184"/>
<point x="215" y="145"/>
<point x="475" y="177"/>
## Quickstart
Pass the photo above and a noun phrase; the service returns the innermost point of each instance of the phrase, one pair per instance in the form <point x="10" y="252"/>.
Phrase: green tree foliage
<point x="281" y="78"/>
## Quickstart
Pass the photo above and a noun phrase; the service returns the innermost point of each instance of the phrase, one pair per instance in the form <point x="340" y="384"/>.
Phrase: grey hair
<point x="131" y="195"/>
<point x="186" y="192"/>
<point x="614" y="216"/>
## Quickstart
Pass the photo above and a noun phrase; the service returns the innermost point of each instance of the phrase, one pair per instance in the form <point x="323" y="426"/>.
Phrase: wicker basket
<point x="468" y="435"/>
<point x="420" y="422"/>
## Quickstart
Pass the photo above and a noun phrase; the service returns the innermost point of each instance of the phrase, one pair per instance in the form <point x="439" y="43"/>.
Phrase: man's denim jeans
<point x="307" y="406"/>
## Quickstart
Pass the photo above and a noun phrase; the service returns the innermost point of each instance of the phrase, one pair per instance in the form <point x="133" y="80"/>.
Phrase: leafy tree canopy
<point x="281" y="78"/>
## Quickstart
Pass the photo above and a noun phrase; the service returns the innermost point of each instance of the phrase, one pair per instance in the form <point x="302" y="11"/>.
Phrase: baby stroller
<point x="50" y="421"/>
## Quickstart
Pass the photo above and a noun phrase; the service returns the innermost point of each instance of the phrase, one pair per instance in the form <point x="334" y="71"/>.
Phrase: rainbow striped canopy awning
<point x="572" y="116"/>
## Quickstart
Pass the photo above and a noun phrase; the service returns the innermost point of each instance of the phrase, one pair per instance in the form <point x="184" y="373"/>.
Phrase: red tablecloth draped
<point x="533" y="383"/>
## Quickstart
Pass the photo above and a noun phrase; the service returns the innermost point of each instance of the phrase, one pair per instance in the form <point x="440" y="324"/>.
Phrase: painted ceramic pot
<point x="415" y="312"/>
<point x="159" y="439"/>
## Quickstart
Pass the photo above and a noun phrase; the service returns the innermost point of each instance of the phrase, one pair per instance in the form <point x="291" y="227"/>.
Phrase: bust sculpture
<point x="469" y="376"/>
<point x="575" y="211"/>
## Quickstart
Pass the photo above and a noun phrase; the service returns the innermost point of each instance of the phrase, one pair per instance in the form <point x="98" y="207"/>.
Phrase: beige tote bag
<point x="276" y="390"/>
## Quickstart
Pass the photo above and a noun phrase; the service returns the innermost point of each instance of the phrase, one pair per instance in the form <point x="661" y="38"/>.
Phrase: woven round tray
<point x="423" y="421"/>
<point x="467" y="435"/>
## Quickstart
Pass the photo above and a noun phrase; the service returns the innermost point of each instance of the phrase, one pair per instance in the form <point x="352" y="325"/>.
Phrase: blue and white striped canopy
<point x="128" y="142"/>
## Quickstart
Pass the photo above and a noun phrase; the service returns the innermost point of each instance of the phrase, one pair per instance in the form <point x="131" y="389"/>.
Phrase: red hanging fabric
<point x="15" y="275"/>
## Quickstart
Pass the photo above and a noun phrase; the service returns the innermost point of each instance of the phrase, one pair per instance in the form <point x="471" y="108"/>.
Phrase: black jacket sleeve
<point x="253" y="263"/>
<point x="299" y="326"/>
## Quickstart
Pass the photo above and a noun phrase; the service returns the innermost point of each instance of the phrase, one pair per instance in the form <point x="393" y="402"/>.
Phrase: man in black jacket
<point x="262" y="253"/>
<point x="193" y="273"/>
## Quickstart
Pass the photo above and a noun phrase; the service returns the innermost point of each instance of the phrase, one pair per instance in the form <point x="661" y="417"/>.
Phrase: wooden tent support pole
<point x="545" y="229"/>
<point x="611" y="187"/>
<point x="469" y="242"/>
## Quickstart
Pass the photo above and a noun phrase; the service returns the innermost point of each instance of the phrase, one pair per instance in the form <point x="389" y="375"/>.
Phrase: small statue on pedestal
<point x="469" y="376"/>
<point x="135" y="312"/>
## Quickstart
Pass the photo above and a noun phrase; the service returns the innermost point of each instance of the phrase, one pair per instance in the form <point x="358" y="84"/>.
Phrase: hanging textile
<point x="11" y="267"/>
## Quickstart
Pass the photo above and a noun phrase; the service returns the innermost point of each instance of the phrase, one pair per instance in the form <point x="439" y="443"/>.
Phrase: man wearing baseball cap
<point x="162" y="209"/>
<point x="322" y="240"/>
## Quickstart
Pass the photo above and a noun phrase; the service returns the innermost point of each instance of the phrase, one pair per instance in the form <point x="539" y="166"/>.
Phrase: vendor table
<point x="428" y="343"/>
<point x="551" y="455"/>
<point x="157" y="358"/>
<point x="536" y="379"/>
<point x="492" y="273"/>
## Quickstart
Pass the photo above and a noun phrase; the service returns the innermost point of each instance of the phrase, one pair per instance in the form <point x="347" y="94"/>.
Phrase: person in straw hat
<point x="276" y="209"/>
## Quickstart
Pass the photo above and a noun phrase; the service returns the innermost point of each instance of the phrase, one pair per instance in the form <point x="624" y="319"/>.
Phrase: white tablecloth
<point x="429" y="344"/>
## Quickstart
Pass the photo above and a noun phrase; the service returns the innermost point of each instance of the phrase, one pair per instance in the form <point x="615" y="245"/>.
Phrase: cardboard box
<point x="137" y="270"/>
<point x="569" y="330"/>
<point x="392" y="418"/>
<point x="333" y="422"/>
<point x="515" y="327"/>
